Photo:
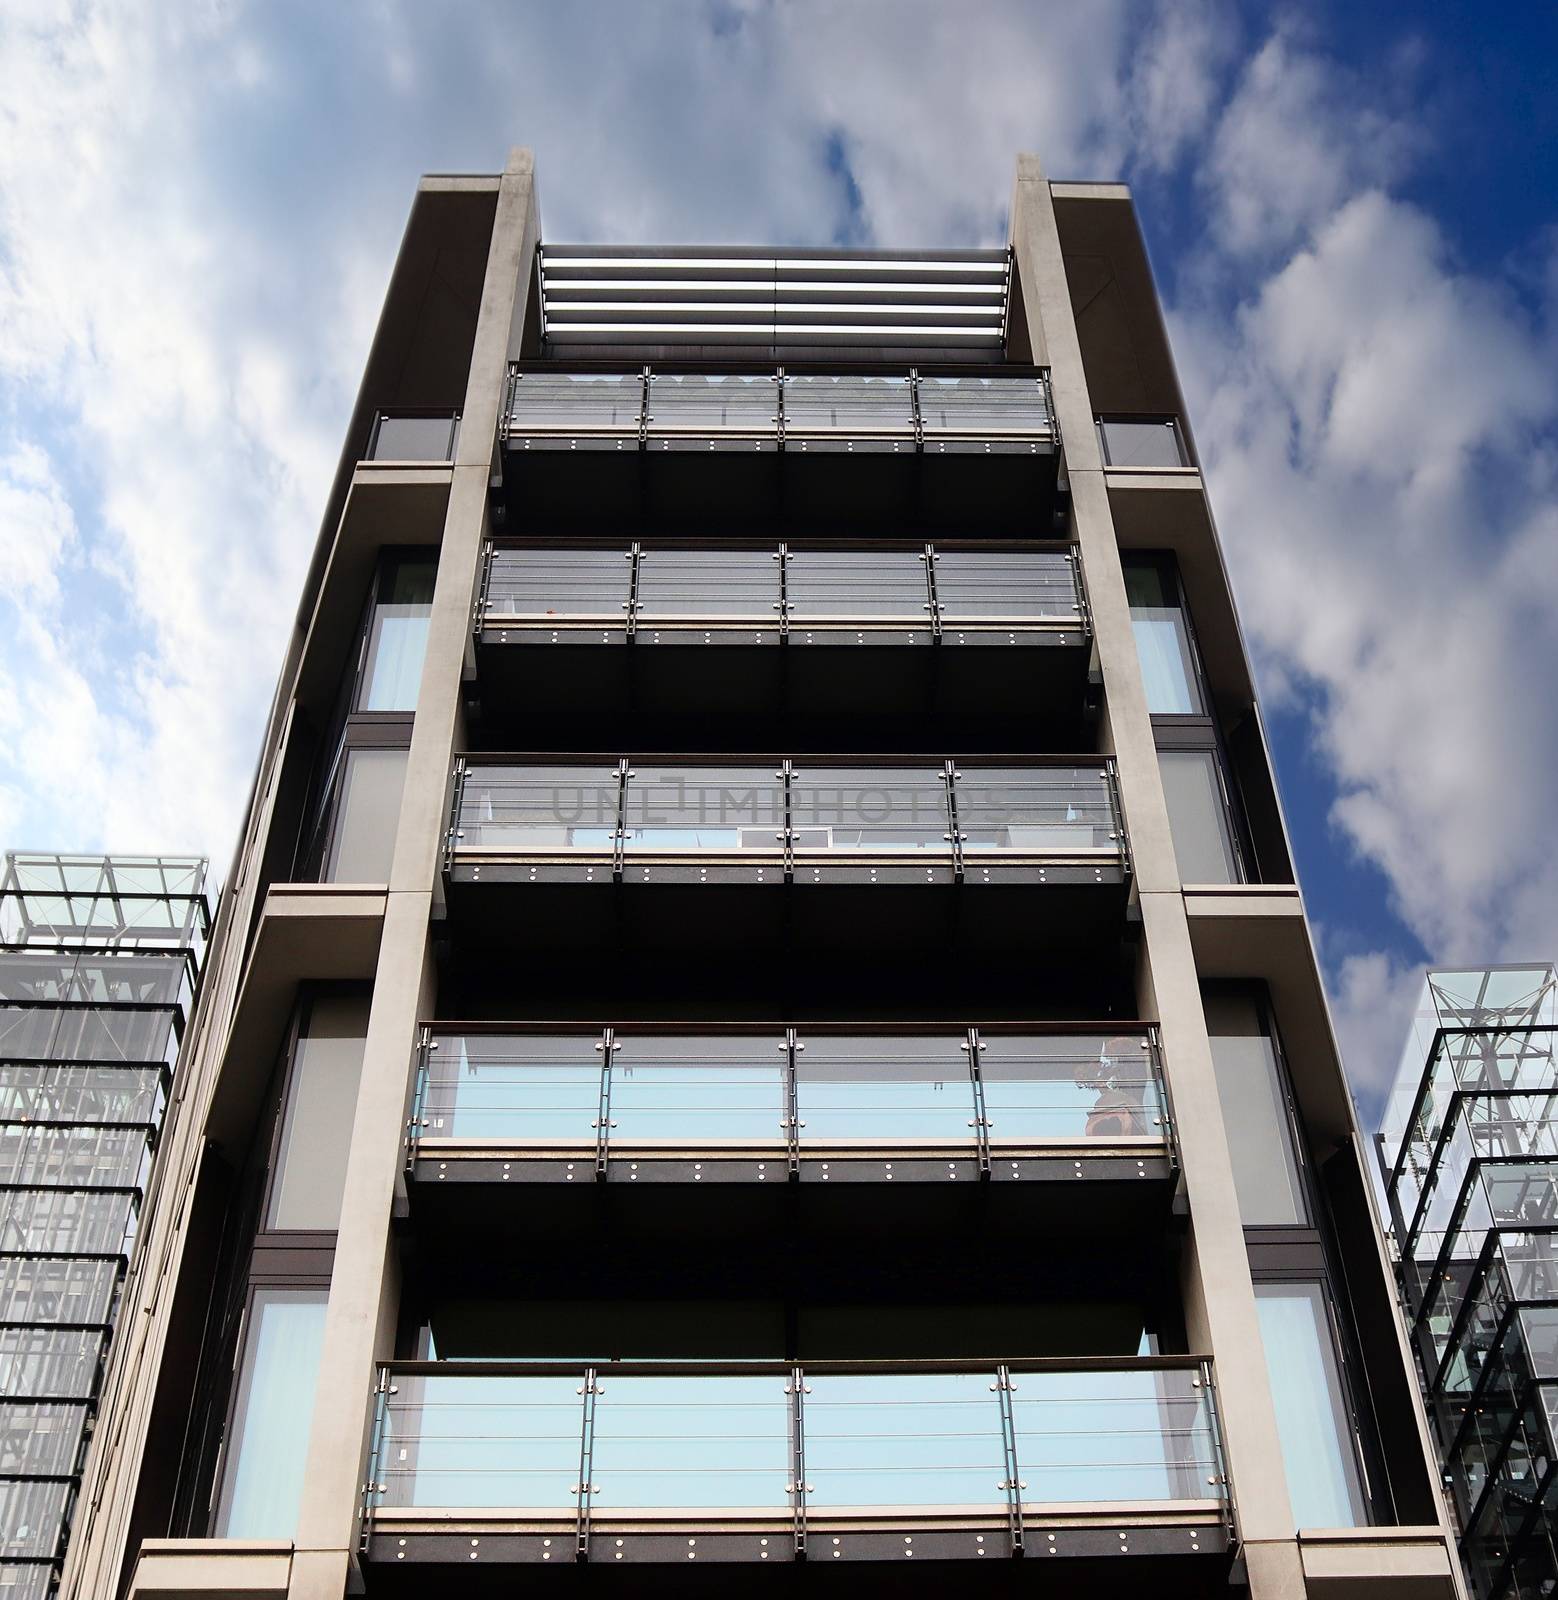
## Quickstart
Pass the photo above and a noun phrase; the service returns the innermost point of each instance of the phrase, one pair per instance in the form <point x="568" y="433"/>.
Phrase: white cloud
<point x="1378" y="426"/>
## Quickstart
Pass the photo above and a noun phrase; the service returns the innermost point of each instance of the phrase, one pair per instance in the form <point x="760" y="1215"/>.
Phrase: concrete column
<point x="364" y="1293"/>
<point x="1219" y="1296"/>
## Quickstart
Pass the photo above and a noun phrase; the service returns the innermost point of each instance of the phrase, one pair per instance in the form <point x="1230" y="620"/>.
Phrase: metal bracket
<point x="798" y="1484"/>
<point x="1117" y="806"/>
<point x="479" y="613"/>
<point x="792" y="1104"/>
<point x="414" y="1123"/>
<point x="950" y="775"/>
<point x="452" y="832"/>
<point x="783" y="558"/>
<point x="635" y="557"/>
<point x="371" y="1484"/>
<point x="643" y="409"/>
<point x="787" y="827"/>
<point x="584" y="1489"/>
<point x="619" y="833"/>
<point x="914" y="409"/>
<point x="607" y="1047"/>
<point x="1012" y="1482"/>
<point x="932" y="600"/>
<point x="509" y="396"/>
<point x="779" y="381"/>
<point x="981" y="1114"/>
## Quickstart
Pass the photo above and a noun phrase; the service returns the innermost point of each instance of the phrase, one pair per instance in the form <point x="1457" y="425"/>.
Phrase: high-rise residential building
<point x="1470" y="1157"/>
<point x="762" y="1018"/>
<point x="99" y="959"/>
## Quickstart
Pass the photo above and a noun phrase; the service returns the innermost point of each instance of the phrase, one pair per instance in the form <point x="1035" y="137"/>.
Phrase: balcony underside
<point x="657" y="689"/>
<point x="1179" y="1551"/>
<point x="836" y="937"/>
<point x="724" y="486"/>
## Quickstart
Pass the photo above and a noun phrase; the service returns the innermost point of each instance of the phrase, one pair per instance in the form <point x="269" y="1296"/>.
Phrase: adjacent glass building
<point x="762" y="1025"/>
<point x="1469" y="1144"/>
<point x="99" y="959"/>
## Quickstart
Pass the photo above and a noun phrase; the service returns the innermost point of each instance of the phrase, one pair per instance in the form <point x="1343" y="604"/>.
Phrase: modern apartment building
<point x="762" y="1017"/>
<point x="99" y="958"/>
<point x="1471" y="1168"/>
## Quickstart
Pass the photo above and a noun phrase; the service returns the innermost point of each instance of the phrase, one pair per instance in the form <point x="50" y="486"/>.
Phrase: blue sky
<point x="1350" y="208"/>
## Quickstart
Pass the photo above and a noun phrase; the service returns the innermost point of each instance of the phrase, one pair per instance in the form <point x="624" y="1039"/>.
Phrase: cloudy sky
<point x="1351" y="212"/>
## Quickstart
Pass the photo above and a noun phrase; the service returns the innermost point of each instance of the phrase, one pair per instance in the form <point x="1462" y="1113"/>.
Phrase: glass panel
<point x="52" y="1363"/>
<point x="979" y="584"/>
<point x="1317" y="1440"/>
<point x="80" y="1157"/>
<point x="1162" y="643"/>
<point x="80" y="1094"/>
<point x="555" y="402"/>
<point x="709" y="583"/>
<point x="679" y="1442"/>
<point x="69" y="975"/>
<point x="704" y="808"/>
<point x="1035" y="808"/>
<point x="983" y="406"/>
<point x="316" y="1125"/>
<point x="847" y="585"/>
<point x="539" y="808"/>
<point x="32" y="1516"/>
<point x="426" y="438"/>
<point x="904" y="1439"/>
<point x="263" y="1474"/>
<point x="698" y="1091"/>
<point x="1069" y="1086"/>
<point x="41" y="1290"/>
<point x="1255" y="1114"/>
<point x="485" y="1086"/>
<point x="559" y="583"/>
<point x="65" y="1221"/>
<point x="713" y="403"/>
<point x="40" y="1439"/>
<point x="82" y="1032"/>
<point x="894" y="1090"/>
<point x="1113" y="1436"/>
<point x="1153" y="442"/>
<point x="367" y="810"/>
<point x="482" y="1441"/>
<point x="1198" y="819"/>
<point x="854" y="404"/>
<point x="397" y="638"/>
<point x="898" y="809"/>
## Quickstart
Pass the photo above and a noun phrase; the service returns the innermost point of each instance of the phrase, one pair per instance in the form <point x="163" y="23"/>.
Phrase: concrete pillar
<point x="364" y="1293"/>
<point x="1219" y="1295"/>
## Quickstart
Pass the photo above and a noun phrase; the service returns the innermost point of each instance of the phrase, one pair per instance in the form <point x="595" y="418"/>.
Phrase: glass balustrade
<point x="811" y="811"/>
<point x="684" y="1439"/>
<point x="901" y="407"/>
<point x="702" y="1092"/>
<point x="414" y="436"/>
<point x="543" y="586"/>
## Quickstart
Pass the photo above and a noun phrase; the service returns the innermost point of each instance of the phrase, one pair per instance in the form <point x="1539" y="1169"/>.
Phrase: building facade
<point x="99" y="961"/>
<point x="762" y="1017"/>
<point x="1471" y="1169"/>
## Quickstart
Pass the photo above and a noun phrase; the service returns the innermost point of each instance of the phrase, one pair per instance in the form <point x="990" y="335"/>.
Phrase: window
<point x="367" y="809"/>
<point x="397" y="636"/>
<point x="321" y="1099"/>
<point x="1198" y="817"/>
<point x="1312" y="1415"/>
<point x="1255" y="1113"/>
<point x="1141" y="442"/>
<point x="262" y="1478"/>
<point x="1162" y="641"/>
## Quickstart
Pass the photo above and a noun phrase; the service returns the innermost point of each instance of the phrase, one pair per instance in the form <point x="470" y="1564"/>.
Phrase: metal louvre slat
<point x="593" y="294"/>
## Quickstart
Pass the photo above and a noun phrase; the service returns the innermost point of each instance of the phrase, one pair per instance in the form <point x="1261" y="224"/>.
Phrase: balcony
<point x="502" y="1103"/>
<point x="833" y="450"/>
<point x="783" y="634"/>
<point x="682" y="872"/>
<point x="491" y="1464"/>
